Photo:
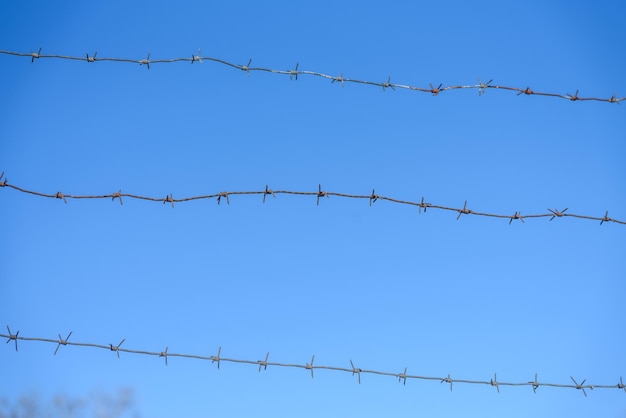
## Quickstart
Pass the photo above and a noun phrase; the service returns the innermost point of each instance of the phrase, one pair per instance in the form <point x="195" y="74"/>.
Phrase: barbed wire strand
<point x="264" y="364"/>
<point x="482" y="87"/>
<point x="552" y="213"/>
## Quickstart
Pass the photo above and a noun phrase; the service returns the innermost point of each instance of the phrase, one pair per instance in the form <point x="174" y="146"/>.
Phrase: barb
<point x="164" y="354"/>
<point x="217" y="358"/>
<point x="13" y="337"/>
<point x="371" y="198"/>
<point x="309" y="366"/>
<point x="116" y="348"/>
<point x="356" y="370"/>
<point x="581" y="385"/>
<point x="494" y="382"/>
<point x="62" y="342"/>
<point x="294" y="73"/>
<point x="263" y="364"/>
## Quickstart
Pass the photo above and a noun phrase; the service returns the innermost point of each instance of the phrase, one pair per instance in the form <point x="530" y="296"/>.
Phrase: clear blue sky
<point x="384" y="286"/>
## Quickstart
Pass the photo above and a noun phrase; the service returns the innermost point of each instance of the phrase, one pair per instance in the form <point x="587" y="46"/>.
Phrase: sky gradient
<point x="385" y="286"/>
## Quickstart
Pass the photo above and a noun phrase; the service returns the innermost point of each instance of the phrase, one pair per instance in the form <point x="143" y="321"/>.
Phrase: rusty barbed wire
<point x="482" y="87"/>
<point x="373" y="197"/>
<point x="264" y="364"/>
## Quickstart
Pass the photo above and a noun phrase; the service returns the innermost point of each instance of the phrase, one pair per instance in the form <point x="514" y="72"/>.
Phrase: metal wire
<point x="482" y="87"/>
<point x="264" y="364"/>
<point x="373" y="197"/>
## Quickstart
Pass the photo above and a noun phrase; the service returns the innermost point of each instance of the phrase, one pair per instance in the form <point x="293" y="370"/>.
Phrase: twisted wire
<point x="264" y="364"/>
<point x="482" y="87"/>
<point x="373" y="197"/>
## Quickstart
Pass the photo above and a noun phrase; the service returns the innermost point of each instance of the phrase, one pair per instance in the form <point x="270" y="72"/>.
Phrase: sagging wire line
<point x="373" y="197"/>
<point x="265" y="363"/>
<point x="482" y="87"/>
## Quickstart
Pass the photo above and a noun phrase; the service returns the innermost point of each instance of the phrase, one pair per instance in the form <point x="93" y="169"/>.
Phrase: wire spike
<point x="309" y="366"/>
<point x="573" y="97"/>
<point x="606" y="218"/>
<point x="164" y="354"/>
<point x="356" y="371"/>
<point x="373" y="197"/>
<point x="268" y="191"/>
<point x="35" y="56"/>
<point x="320" y="193"/>
<point x="402" y="377"/>
<point x="435" y="90"/>
<point x="146" y="61"/>
<point x="557" y="213"/>
<point x="580" y="386"/>
<point x="388" y="84"/>
<point x="294" y="73"/>
<point x="465" y="210"/>
<point x="13" y="337"/>
<point x="517" y="215"/>
<point x="483" y="86"/>
<point x="62" y="342"/>
<point x="263" y="363"/>
<point x="196" y="57"/>
<point x="494" y="382"/>
<point x="423" y="205"/>
<point x="117" y="195"/>
<point x="217" y="358"/>
<point x="116" y="348"/>
<point x="223" y="194"/>
<point x="59" y="195"/>
<point x="246" y="68"/>
<point x="535" y="384"/>
<point x="339" y="78"/>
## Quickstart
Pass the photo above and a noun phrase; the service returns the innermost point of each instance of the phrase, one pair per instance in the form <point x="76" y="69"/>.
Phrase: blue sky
<point x="383" y="285"/>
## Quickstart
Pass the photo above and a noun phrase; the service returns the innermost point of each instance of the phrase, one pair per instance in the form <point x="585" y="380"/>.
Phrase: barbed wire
<point x="552" y="213"/>
<point x="264" y="364"/>
<point x="482" y="87"/>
